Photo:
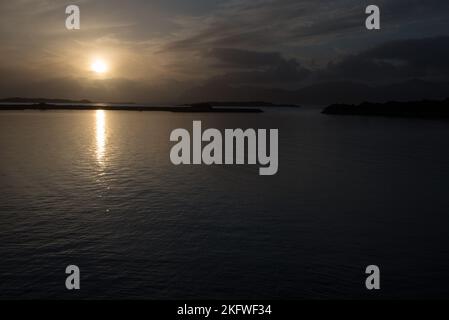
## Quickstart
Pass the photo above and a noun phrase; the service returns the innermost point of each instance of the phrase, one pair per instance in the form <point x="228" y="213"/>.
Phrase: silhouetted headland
<point x="420" y="109"/>
<point x="200" y="107"/>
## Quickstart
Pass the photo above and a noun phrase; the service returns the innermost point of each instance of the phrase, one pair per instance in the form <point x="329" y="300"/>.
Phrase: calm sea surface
<point x="97" y="189"/>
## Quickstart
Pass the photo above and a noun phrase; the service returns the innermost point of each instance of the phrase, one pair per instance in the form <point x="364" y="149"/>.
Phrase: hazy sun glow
<point x="99" y="66"/>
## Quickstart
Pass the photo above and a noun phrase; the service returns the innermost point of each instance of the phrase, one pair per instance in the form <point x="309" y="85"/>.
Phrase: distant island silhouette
<point x="422" y="109"/>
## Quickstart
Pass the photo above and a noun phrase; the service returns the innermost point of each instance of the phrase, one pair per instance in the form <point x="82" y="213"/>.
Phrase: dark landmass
<point x="421" y="109"/>
<point x="248" y="104"/>
<point x="41" y="100"/>
<point x="203" y="107"/>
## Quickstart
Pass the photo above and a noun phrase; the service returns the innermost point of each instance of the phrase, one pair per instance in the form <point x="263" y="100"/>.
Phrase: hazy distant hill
<point x="242" y="104"/>
<point x="324" y="93"/>
<point x="42" y="100"/>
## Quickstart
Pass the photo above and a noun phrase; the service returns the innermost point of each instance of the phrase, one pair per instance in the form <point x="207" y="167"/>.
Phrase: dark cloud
<point x="287" y="72"/>
<point x="403" y="59"/>
<point x="264" y="24"/>
<point x="236" y="58"/>
<point x="258" y="68"/>
<point x="396" y="70"/>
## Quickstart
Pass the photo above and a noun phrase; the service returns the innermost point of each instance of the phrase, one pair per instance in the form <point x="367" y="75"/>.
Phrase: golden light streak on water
<point x="100" y="134"/>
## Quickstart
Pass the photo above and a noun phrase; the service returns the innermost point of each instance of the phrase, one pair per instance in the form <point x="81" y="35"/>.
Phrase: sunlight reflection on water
<point x="100" y="134"/>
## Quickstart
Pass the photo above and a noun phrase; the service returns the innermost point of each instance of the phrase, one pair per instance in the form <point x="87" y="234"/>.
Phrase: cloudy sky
<point x="172" y="51"/>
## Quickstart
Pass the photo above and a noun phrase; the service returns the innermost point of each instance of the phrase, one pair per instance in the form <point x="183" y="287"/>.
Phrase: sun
<point x="99" y="66"/>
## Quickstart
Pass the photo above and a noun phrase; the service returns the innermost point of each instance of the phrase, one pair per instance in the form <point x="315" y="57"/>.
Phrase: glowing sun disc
<point x="99" y="66"/>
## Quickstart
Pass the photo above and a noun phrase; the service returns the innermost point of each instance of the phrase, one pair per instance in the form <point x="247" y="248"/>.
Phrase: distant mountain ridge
<point x="324" y="93"/>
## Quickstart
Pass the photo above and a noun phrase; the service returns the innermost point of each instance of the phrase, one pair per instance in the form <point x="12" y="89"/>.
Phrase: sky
<point x="180" y="51"/>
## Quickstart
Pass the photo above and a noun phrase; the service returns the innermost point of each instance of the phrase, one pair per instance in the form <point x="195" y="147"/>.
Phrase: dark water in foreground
<point x="97" y="189"/>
